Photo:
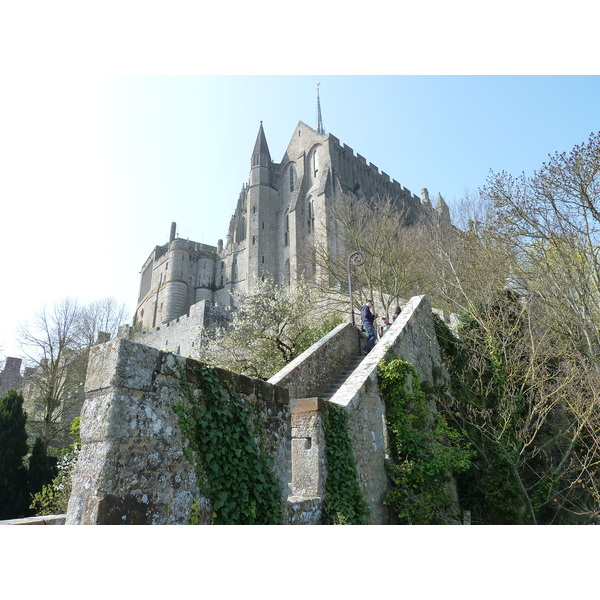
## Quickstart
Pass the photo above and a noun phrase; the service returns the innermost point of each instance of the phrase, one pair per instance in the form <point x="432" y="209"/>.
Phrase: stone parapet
<point x="308" y="448"/>
<point x="305" y="376"/>
<point x="132" y="468"/>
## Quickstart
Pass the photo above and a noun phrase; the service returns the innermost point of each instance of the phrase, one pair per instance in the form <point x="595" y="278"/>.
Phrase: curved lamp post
<point x="355" y="259"/>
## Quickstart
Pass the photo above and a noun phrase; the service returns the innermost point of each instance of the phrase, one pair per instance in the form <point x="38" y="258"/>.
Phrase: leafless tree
<point x="393" y="268"/>
<point x="523" y="275"/>
<point x="552" y="221"/>
<point x="56" y="344"/>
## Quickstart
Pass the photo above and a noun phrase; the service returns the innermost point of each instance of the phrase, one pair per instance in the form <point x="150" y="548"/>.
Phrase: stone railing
<point x="411" y="338"/>
<point x="304" y="376"/>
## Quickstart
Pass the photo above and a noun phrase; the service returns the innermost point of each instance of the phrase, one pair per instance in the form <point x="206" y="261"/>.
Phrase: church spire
<point x="261" y="160"/>
<point x="320" y="127"/>
<point x="260" y="147"/>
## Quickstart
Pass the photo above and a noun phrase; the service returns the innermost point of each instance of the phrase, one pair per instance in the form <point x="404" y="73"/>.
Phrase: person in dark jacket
<point x="368" y="320"/>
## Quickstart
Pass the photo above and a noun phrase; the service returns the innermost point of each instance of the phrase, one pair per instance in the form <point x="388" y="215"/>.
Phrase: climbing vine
<point x="424" y="449"/>
<point x="344" y="503"/>
<point x="233" y="472"/>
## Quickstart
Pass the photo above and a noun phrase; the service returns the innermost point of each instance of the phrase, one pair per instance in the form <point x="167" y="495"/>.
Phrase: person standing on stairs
<point x="386" y="325"/>
<point x="368" y="320"/>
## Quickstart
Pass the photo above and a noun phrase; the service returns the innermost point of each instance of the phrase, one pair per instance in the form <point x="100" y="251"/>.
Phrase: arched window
<point x="311" y="214"/>
<point x="292" y="177"/>
<point x="286" y="229"/>
<point x="314" y="163"/>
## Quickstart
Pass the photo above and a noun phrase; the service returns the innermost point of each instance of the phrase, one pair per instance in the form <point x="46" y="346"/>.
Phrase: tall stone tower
<point x="262" y="207"/>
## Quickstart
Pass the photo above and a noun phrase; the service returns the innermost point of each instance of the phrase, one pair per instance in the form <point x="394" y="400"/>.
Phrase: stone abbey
<point x="283" y="213"/>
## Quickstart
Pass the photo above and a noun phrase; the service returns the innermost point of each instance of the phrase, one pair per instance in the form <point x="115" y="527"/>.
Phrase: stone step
<point x="330" y="389"/>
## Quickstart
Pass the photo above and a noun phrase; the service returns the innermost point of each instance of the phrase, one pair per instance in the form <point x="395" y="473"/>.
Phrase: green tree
<point x="53" y="497"/>
<point x="13" y="448"/>
<point x="42" y="467"/>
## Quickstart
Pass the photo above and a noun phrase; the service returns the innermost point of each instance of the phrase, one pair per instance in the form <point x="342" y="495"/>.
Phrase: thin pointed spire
<point x="261" y="147"/>
<point x="320" y="128"/>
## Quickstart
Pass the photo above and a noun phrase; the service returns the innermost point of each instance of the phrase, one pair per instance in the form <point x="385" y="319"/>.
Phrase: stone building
<point x="282" y="215"/>
<point x="10" y="376"/>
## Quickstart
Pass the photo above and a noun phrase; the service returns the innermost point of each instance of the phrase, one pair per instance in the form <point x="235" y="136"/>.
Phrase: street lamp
<point x="356" y="259"/>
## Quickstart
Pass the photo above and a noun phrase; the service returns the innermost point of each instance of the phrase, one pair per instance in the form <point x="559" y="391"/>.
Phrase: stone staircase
<point x="331" y="387"/>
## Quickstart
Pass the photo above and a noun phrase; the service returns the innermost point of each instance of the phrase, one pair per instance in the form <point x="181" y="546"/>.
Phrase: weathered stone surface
<point x="132" y="468"/>
<point x="304" y="511"/>
<point x="304" y="377"/>
<point x="308" y="448"/>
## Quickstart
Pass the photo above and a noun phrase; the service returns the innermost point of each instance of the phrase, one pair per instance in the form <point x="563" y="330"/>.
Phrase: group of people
<point x="368" y="320"/>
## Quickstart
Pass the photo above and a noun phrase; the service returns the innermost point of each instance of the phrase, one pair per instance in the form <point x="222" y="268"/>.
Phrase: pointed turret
<point x="260" y="172"/>
<point x="442" y="209"/>
<point x="262" y="201"/>
<point x="261" y="148"/>
<point x="425" y="198"/>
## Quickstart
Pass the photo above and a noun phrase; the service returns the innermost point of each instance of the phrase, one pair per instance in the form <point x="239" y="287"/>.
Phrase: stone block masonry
<point x="304" y="376"/>
<point x="132" y="468"/>
<point x="411" y="338"/>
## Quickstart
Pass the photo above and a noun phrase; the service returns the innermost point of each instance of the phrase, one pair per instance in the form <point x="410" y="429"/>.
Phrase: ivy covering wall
<point x="232" y="469"/>
<point x="344" y="503"/>
<point x="425" y="451"/>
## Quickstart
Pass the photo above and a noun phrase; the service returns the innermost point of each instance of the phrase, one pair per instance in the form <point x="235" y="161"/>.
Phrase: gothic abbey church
<point x="282" y="215"/>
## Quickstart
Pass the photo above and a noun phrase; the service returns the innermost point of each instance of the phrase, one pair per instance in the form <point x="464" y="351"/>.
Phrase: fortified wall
<point x="182" y="335"/>
<point x="132" y="466"/>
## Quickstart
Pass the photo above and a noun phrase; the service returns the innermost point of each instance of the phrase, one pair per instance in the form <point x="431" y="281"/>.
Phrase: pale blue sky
<point x="97" y="172"/>
<point x="105" y="140"/>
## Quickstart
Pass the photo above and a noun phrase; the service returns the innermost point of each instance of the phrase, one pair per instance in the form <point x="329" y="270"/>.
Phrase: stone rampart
<point x="132" y="468"/>
<point x="410" y="338"/>
<point x="361" y="165"/>
<point x="181" y="335"/>
<point x="304" y="376"/>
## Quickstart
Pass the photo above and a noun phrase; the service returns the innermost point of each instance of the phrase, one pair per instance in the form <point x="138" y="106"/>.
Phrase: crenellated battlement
<point x="371" y="171"/>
